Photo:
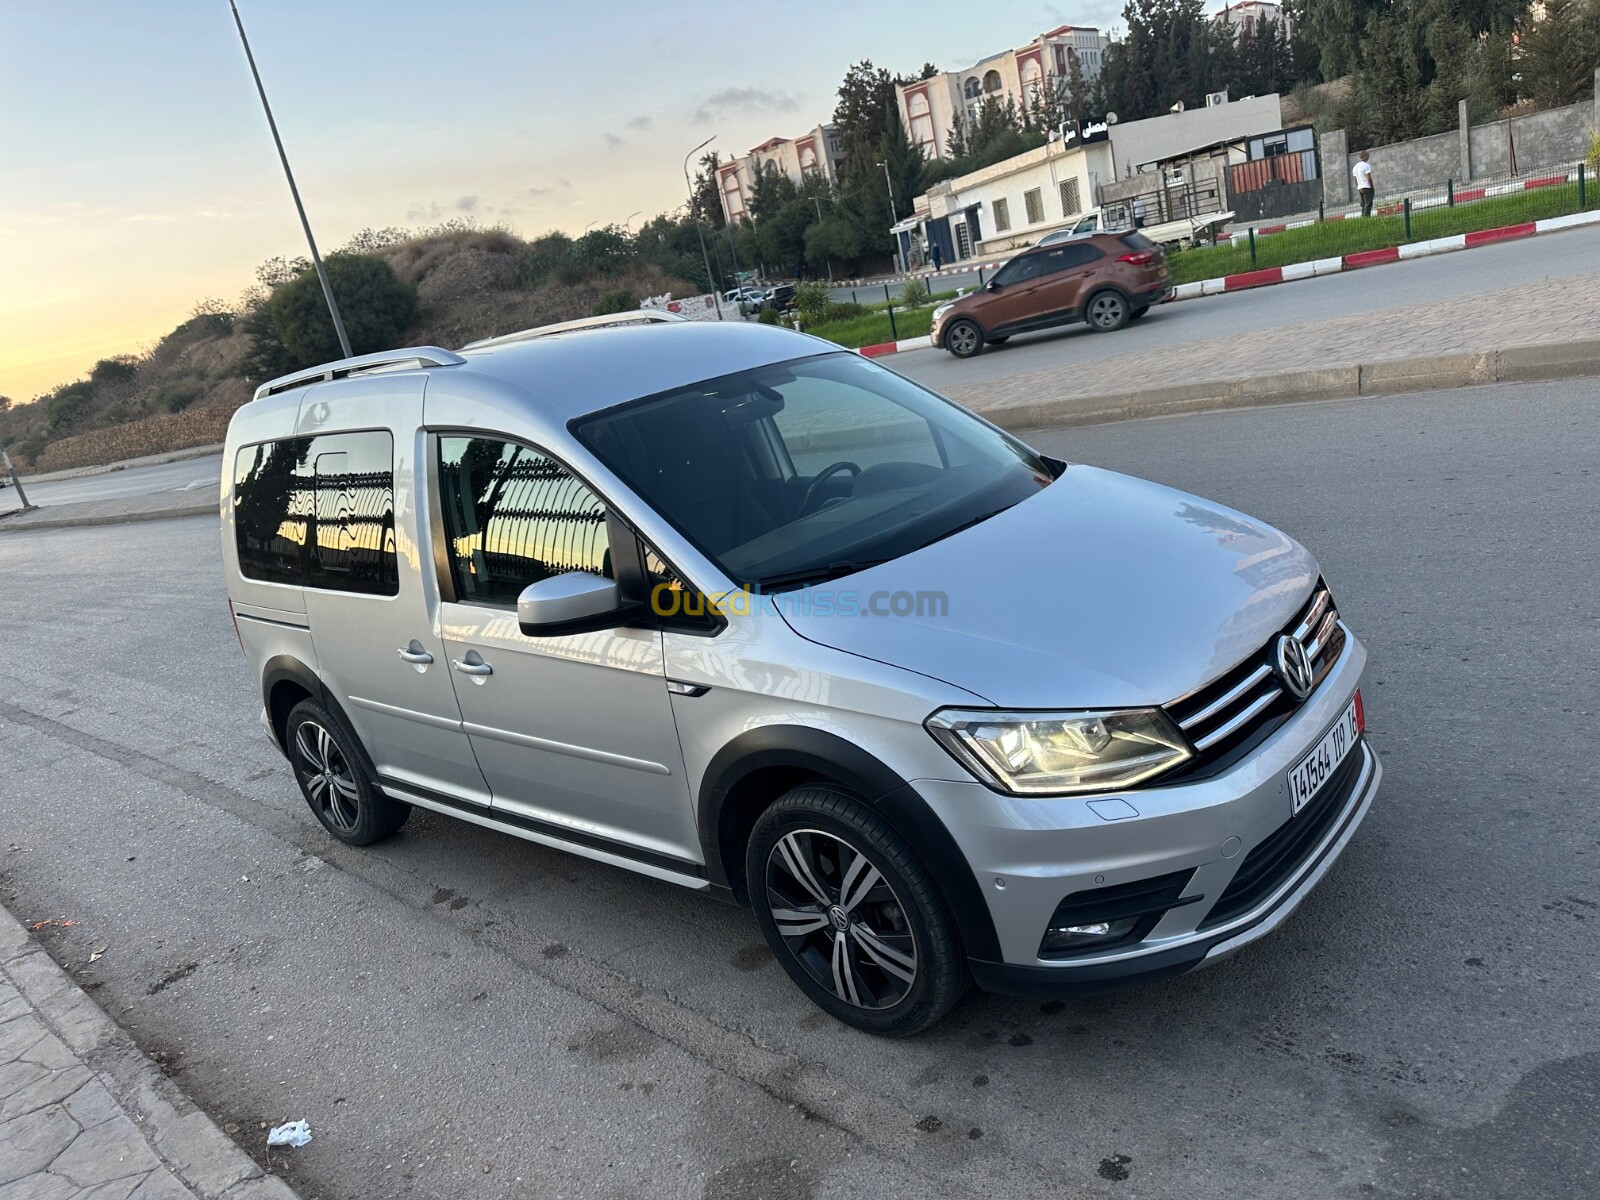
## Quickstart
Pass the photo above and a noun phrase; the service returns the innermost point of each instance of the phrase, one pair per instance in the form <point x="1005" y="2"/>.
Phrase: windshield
<point x="804" y="471"/>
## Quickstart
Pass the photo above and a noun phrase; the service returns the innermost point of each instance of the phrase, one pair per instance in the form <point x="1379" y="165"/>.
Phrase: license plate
<point x="1308" y="776"/>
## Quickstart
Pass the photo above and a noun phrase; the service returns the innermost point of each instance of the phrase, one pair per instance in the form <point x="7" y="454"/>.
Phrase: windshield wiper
<point x="978" y="520"/>
<point x="821" y="573"/>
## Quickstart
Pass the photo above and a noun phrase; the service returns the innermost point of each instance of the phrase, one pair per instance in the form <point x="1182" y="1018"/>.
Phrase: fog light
<point x="1083" y="937"/>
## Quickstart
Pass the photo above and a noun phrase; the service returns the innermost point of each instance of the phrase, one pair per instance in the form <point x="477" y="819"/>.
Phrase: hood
<point x="1100" y="591"/>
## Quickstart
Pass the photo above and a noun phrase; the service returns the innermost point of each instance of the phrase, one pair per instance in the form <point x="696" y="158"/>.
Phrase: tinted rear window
<point x="1138" y="241"/>
<point x="318" y="512"/>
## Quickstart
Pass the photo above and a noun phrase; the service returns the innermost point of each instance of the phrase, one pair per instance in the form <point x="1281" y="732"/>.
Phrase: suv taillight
<point x="1142" y="259"/>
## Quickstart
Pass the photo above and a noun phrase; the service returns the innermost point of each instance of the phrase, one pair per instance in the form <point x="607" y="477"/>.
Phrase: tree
<point x="1077" y="93"/>
<point x="376" y="308"/>
<point x="866" y="98"/>
<point x="705" y="196"/>
<point x="1560" y="52"/>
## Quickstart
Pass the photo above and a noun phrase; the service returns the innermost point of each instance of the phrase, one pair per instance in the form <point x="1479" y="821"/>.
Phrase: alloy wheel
<point x="964" y="340"/>
<point x="325" y="772"/>
<point x="841" y="919"/>
<point x="1105" y="311"/>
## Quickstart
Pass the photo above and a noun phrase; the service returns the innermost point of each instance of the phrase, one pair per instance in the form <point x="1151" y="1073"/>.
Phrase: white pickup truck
<point x="1186" y="231"/>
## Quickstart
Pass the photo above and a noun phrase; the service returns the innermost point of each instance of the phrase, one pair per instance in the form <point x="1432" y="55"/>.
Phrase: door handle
<point x="476" y="669"/>
<point x="417" y="658"/>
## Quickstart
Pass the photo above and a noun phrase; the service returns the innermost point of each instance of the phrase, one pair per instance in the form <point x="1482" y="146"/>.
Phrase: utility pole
<point x="892" y="220"/>
<point x="698" y="228"/>
<point x="5" y="460"/>
<point x="316" y="259"/>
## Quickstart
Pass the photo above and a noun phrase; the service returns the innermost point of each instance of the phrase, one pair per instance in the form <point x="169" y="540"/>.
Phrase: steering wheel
<point x="823" y="475"/>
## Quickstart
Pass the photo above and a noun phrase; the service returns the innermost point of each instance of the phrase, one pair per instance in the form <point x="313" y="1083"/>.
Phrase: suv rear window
<point x="318" y="512"/>
<point x="1137" y="241"/>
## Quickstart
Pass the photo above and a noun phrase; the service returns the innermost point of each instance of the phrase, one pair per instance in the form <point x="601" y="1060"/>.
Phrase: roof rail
<point x="411" y="356"/>
<point x="637" y="316"/>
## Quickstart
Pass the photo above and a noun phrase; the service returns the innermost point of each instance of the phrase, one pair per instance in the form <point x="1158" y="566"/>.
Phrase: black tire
<point x="1138" y="312"/>
<point x="1106" y="311"/>
<point x="884" y="955"/>
<point x="964" y="339"/>
<point x="327" y="764"/>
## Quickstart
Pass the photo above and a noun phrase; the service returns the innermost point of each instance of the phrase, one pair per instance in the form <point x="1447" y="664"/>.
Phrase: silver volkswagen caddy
<point x="733" y="608"/>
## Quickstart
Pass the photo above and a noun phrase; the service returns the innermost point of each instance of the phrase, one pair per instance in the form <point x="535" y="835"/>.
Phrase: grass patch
<point x="872" y="329"/>
<point x="1352" y="235"/>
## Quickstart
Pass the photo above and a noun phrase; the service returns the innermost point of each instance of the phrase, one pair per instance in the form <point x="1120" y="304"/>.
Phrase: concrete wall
<point x="1556" y="135"/>
<point x="1548" y="138"/>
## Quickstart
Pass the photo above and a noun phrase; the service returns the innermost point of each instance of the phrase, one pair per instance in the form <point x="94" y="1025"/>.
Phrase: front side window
<point x="318" y="512"/>
<point x="513" y="516"/>
<point x="806" y="470"/>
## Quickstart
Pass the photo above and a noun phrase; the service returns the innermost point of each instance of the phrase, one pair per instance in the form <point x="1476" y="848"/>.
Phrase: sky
<point x="138" y="176"/>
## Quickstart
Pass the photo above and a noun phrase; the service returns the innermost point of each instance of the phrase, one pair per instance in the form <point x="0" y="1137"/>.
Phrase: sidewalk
<point x="121" y="510"/>
<point x="1534" y="331"/>
<point x="84" y="1113"/>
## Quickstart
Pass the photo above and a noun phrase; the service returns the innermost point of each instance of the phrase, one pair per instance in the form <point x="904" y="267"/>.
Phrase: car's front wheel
<point x="1106" y="311"/>
<point x="327" y="765"/>
<point x="963" y="339"/>
<point x="852" y="914"/>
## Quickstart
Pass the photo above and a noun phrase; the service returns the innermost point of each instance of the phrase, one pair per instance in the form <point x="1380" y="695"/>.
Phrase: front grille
<point x="1234" y="713"/>
<point x="1286" y="849"/>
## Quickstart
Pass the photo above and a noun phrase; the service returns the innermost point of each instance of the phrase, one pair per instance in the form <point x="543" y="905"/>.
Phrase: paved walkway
<point x="85" y="1114"/>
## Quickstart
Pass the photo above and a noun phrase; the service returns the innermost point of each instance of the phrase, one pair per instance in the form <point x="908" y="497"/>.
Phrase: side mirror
<point x="573" y="602"/>
<point x="992" y="286"/>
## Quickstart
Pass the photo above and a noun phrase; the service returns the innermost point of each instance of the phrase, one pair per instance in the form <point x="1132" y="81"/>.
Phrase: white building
<point x="930" y="108"/>
<point x="816" y="150"/>
<point x="1008" y="205"/>
<point x="1249" y="15"/>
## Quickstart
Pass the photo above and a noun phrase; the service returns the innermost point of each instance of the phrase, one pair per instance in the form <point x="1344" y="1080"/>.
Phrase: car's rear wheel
<point x="328" y="766"/>
<point x="1106" y="311"/>
<point x="852" y="914"/>
<point x="963" y="339"/>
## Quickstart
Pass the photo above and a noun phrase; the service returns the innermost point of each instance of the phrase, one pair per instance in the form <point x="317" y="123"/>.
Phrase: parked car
<point x="1104" y="279"/>
<point x="727" y="606"/>
<point x="781" y="297"/>
<point x="744" y="297"/>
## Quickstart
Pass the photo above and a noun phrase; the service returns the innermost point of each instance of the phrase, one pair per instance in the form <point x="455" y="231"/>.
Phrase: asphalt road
<point x="456" y="1012"/>
<point x="187" y="475"/>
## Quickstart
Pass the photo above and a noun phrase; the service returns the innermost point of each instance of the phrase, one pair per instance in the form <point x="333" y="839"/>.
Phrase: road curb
<point x="188" y="1142"/>
<point x="1522" y="364"/>
<point x="26" y="523"/>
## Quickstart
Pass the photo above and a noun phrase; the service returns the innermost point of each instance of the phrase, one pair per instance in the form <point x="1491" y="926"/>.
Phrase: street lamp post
<point x="629" y="220"/>
<point x="698" y="228"/>
<point x="889" y="183"/>
<point x="316" y="259"/>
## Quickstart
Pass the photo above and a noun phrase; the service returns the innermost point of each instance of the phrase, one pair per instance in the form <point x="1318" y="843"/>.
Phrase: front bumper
<point x="1029" y="854"/>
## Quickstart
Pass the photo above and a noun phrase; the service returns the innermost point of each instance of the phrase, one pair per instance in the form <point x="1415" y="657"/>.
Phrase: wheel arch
<point x="285" y="681"/>
<point x="1108" y="286"/>
<point x="760" y="765"/>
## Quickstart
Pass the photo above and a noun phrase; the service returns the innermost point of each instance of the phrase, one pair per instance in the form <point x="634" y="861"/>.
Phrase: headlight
<point x="1058" y="754"/>
<point x="939" y="312"/>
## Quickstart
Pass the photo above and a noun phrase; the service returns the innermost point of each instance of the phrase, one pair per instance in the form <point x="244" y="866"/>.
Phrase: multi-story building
<point x="817" y="150"/>
<point x="1249" y="15"/>
<point x="931" y="108"/>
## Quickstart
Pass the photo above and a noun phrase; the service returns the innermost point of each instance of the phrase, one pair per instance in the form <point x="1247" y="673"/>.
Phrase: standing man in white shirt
<point x="1363" y="175"/>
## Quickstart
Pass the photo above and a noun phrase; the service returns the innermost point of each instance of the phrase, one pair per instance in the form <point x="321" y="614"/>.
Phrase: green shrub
<point x="376" y="307"/>
<point x="113" y="370"/>
<point x="615" y="301"/>
<point x="543" y="257"/>
<point x="175" y="397"/>
<point x="770" y="316"/>
<point x="811" y="302"/>
<point x="846" y="311"/>
<point x="914" y="294"/>
<point x="67" y="405"/>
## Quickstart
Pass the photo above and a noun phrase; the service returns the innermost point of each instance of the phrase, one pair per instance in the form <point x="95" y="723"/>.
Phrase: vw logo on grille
<point x="1294" y="666"/>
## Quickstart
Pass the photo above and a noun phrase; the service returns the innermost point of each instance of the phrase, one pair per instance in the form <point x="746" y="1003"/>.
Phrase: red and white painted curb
<point x="1372" y="258"/>
<point x="917" y="343"/>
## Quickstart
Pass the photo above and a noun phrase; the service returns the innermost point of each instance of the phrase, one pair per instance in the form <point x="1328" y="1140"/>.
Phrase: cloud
<point x="612" y="141"/>
<point x="743" y="102"/>
<point x="163" y="217"/>
<point x="468" y="204"/>
<point x="560" y="185"/>
<point x="639" y="123"/>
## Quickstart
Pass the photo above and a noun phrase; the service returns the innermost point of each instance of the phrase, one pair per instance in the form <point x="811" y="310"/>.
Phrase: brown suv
<point x="1106" y="279"/>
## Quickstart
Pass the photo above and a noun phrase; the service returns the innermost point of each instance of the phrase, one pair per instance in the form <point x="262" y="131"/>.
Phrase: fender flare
<point x="832" y="757"/>
<point x="286" y="668"/>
